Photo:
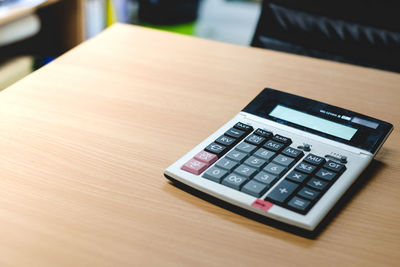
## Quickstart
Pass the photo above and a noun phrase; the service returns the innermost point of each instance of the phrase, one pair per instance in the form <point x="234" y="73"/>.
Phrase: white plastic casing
<point x="357" y="159"/>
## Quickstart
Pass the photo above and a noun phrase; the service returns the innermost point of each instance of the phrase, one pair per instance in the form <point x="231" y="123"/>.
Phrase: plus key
<point x="282" y="191"/>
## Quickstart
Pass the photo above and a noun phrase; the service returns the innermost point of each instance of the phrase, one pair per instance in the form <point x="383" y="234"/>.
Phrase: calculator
<point x="285" y="157"/>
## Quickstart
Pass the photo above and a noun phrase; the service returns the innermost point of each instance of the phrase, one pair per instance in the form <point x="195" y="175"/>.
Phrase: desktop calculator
<point x="285" y="157"/>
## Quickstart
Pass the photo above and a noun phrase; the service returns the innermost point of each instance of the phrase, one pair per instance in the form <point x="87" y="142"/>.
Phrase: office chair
<point x="362" y="32"/>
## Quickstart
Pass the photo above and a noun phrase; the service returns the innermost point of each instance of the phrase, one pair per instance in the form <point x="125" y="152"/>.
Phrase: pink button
<point x="262" y="204"/>
<point x="206" y="157"/>
<point x="194" y="166"/>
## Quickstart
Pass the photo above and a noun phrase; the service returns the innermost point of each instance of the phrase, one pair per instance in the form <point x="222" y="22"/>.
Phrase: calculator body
<point x="291" y="158"/>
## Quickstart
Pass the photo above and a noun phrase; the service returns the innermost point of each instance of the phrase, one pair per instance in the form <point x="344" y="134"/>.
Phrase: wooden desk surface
<point x="84" y="142"/>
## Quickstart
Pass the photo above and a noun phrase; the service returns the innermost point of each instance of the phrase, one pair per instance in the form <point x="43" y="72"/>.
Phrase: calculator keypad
<point x="254" y="161"/>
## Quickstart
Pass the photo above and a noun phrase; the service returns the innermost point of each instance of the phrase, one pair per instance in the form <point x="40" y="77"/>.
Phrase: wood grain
<point x="85" y="140"/>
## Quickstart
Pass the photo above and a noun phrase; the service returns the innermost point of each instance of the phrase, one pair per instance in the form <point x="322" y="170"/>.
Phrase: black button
<point x="243" y="127"/>
<point x="317" y="184"/>
<point x="263" y="133"/>
<point x="314" y="159"/>
<point x="282" y="191"/>
<point x="293" y="152"/>
<point x="299" y="203"/>
<point x="235" y="133"/>
<point x="297" y="176"/>
<point x="305" y="167"/>
<point x="217" y="149"/>
<point x="255" y="140"/>
<point x="333" y="166"/>
<point x="282" y="139"/>
<point x="326" y="174"/>
<point x="308" y="193"/>
<point x="225" y="140"/>
<point x="274" y="146"/>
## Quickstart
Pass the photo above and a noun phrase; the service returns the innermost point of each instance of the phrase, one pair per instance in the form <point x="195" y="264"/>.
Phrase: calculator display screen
<point x="313" y="122"/>
<point x="328" y="121"/>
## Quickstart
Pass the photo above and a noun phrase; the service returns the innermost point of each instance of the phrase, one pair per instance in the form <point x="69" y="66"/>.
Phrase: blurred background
<point x="361" y="32"/>
<point x="34" y="32"/>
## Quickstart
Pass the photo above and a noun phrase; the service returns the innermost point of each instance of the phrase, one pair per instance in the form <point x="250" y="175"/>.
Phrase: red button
<point x="194" y="166"/>
<point x="262" y="204"/>
<point x="206" y="157"/>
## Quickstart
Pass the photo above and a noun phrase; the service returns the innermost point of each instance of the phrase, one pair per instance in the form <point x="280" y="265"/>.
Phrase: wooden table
<point x="84" y="142"/>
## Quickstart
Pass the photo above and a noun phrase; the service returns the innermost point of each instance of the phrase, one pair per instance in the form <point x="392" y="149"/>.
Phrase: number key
<point x="236" y="155"/>
<point x="275" y="169"/>
<point x="254" y="162"/>
<point x="246" y="148"/>
<point x="283" y="160"/>
<point x="234" y="181"/>
<point x="226" y="164"/>
<point x="264" y="154"/>
<point x="215" y="174"/>
<point x="245" y="171"/>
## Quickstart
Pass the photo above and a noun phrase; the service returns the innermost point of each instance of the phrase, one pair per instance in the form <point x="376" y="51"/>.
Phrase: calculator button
<point x="333" y="166"/>
<point x="283" y="160"/>
<point x="194" y="166"/>
<point x="244" y="127"/>
<point x="226" y="164"/>
<point x="299" y="203"/>
<point x="263" y="133"/>
<point x="308" y="193"/>
<point x="236" y="155"/>
<point x="317" y="184"/>
<point x="275" y="169"/>
<point x="282" y="191"/>
<point x="234" y="181"/>
<point x="264" y="154"/>
<point x="314" y="159"/>
<point x="274" y="146"/>
<point x="305" y="167"/>
<point x="225" y="140"/>
<point x="254" y="188"/>
<point x="215" y="174"/>
<point x="235" y="133"/>
<point x="246" y="148"/>
<point x="216" y="149"/>
<point x="326" y="174"/>
<point x="281" y="139"/>
<point x="245" y="171"/>
<point x="255" y="140"/>
<point x="296" y="176"/>
<point x="206" y="157"/>
<point x="293" y="152"/>
<point x="254" y="162"/>
<point x="266" y="178"/>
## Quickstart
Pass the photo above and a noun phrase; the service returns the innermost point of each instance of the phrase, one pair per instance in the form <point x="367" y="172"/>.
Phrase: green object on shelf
<point x="187" y="28"/>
